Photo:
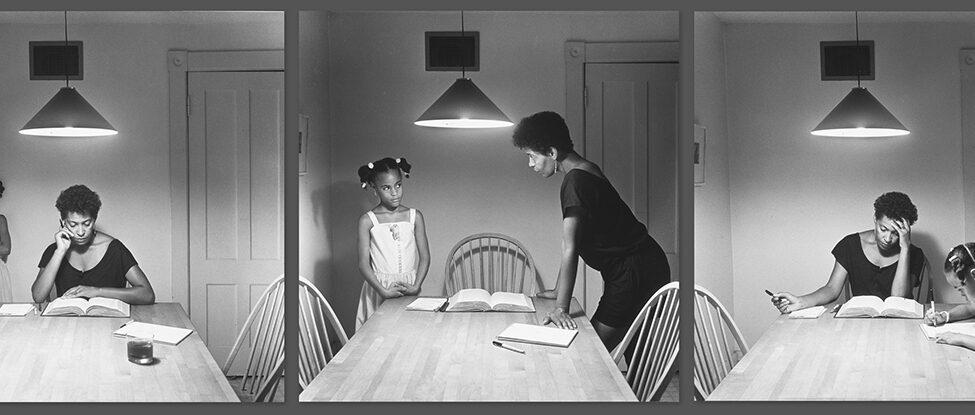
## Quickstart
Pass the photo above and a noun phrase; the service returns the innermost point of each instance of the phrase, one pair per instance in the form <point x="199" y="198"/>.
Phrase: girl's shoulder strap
<point x="412" y="216"/>
<point x="372" y="217"/>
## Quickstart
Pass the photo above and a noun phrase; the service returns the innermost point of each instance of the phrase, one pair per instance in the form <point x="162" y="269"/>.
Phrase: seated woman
<point x="960" y="273"/>
<point x="88" y="263"/>
<point x="880" y="262"/>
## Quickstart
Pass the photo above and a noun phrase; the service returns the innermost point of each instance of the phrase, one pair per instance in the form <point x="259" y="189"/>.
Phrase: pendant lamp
<point x="463" y="105"/>
<point x="860" y="114"/>
<point x="68" y="114"/>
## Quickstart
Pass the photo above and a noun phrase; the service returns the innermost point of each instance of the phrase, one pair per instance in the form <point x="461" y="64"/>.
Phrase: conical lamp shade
<point x="68" y="114"/>
<point x="859" y="114"/>
<point x="463" y="105"/>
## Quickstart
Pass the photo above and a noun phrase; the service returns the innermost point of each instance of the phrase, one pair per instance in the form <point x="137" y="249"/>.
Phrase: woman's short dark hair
<point x="368" y="172"/>
<point x="541" y="131"/>
<point x="78" y="199"/>
<point x="895" y="205"/>
<point x="960" y="260"/>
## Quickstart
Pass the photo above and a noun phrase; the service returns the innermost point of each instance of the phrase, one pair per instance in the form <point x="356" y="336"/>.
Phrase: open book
<point x="96" y="306"/>
<point x="873" y="306"/>
<point x="476" y="299"/>
<point x="535" y="334"/>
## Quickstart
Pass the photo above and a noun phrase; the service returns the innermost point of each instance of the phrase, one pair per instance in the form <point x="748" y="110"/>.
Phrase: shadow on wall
<point x="943" y="292"/>
<point x="349" y="201"/>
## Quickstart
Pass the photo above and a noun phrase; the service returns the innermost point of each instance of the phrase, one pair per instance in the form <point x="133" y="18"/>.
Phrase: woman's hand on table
<point x="786" y="302"/>
<point x="81" y="291"/>
<point x="933" y="318"/>
<point x="549" y="294"/>
<point x="560" y="319"/>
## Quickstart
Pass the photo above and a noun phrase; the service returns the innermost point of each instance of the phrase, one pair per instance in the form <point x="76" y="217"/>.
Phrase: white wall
<point x="127" y="81"/>
<point x="712" y="201"/>
<point x="464" y="181"/>
<point x="794" y="195"/>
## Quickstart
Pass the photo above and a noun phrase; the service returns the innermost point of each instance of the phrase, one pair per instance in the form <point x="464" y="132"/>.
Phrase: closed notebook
<point x="535" y="334"/>
<point x="426" y="304"/>
<point x="872" y="306"/>
<point x="16" y="310"/>
<point x="932" y="332"/>
<point x="811" y="312"/>
<point x="162" y="334"/>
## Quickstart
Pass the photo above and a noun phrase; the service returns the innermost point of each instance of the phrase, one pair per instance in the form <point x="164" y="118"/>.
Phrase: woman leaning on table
<point x="960" y="273"/>
<point x="596" y="225"/>
<point x="879" y="261"/>
<point x="6" y="292"/>
<point x="88" y="263"/>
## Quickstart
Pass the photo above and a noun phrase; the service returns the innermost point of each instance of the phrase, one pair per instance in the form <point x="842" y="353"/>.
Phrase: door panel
<point x="631" y="133"/>
<point x="236" y="183"/>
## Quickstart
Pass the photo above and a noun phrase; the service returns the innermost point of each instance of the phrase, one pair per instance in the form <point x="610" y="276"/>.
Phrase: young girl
<point x="960" y="273"/>
<point x="6" y="292"/>
<point x="393" y="251"/>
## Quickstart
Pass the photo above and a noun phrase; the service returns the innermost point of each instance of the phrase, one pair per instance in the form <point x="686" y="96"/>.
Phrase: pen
<point x="769" y="293"/>
<point x="505" y="346"/>
<point x="126" y="323"/>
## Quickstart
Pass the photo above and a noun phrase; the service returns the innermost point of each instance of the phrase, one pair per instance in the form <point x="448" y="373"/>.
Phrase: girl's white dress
<point x="6" y="291"/>
<point x="393" y="255"/>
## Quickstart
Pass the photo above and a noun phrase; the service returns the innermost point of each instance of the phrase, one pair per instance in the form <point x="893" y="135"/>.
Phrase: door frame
<point x="179" y="64"/>
<point x="577" y="55"/>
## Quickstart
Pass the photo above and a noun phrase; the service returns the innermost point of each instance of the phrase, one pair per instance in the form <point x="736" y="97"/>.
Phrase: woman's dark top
<point x="611" y="231"/>
<point x="109" y="272"/>
<point x="868" y="279"/>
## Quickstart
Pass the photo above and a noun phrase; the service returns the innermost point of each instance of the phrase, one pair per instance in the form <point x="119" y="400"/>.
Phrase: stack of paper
<point x="162" y="334"/>
<point x="426" y="304"/>
<point x="533" y="334"/>
<point x="811" y="312"/>
<point x="16" y="310"/>
<point x="932" y="332"/>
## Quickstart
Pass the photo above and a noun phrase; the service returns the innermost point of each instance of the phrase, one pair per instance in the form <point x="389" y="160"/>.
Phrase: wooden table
<point x="850" y="359"/>
<point x="46" y="359"/>
<point x="401" y="355"/>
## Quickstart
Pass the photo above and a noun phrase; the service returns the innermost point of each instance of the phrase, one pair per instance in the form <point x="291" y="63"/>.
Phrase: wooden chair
<point x="264" y="329"/>
<point x="923" y="293"/>
<point x="657" y="335"/>
<point x="714" y="353"/>
<point x="315" y="346"/>
<point x="491" y="261"/>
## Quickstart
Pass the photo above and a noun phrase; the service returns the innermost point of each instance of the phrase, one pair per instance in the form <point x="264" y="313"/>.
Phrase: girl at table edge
<point x="6" y="292"/>
<point x="87" y="256"/>
<point x="894" y="214"/>
<point x="960" y="273"/>
<point x="394" y="255"/>
<point x="596" y="225"/>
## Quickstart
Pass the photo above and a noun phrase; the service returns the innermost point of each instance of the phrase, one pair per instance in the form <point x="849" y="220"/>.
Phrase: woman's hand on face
<point x="786" y="302"/>
<point x="933" y="318"/>
<point x="81" y="291"/>
<point x="63" y="239"/>
<point x="550" y="294"/>
<point x="903" y="233"/>
<point x="560" y="319"/>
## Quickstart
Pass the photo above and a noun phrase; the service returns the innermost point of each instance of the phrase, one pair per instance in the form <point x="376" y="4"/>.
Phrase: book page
<point x="535" y="334"/>
<point x="505" y="301"/>
<point x="102" y="306"/>
<point x="66" y="306"/>
<point x="932" y="332"/>
<point x="903" y="308"/>
<point x="470" y="299"/>
<point x="862" y="306"/>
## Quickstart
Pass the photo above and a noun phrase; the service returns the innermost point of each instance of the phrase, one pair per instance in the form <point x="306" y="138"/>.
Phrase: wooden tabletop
<point x="401" y="355"/>
<point x="850" y="359"/>
<point x="76" y="359"/>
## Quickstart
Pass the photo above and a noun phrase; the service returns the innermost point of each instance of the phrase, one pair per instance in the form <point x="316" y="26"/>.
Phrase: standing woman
<point x="6" y="291"/>
<point x="84" y="262"/>
<point x="596" y="225"/>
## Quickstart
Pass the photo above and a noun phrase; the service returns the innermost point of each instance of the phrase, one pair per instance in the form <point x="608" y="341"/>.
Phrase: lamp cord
<point x="463" y="68"/>
<point x="856" y="19"/>
<point x="65" y="67"/>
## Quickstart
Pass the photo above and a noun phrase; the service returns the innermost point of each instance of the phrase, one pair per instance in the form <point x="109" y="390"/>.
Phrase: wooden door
<point x="631" y="133"/>
<point x="236" y="183"/>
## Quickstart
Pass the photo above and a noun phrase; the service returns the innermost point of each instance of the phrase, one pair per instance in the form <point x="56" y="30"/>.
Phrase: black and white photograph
<point x="833" y="235"/>
<point x="488" y="209"/>
<point x="141" y="206"/>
